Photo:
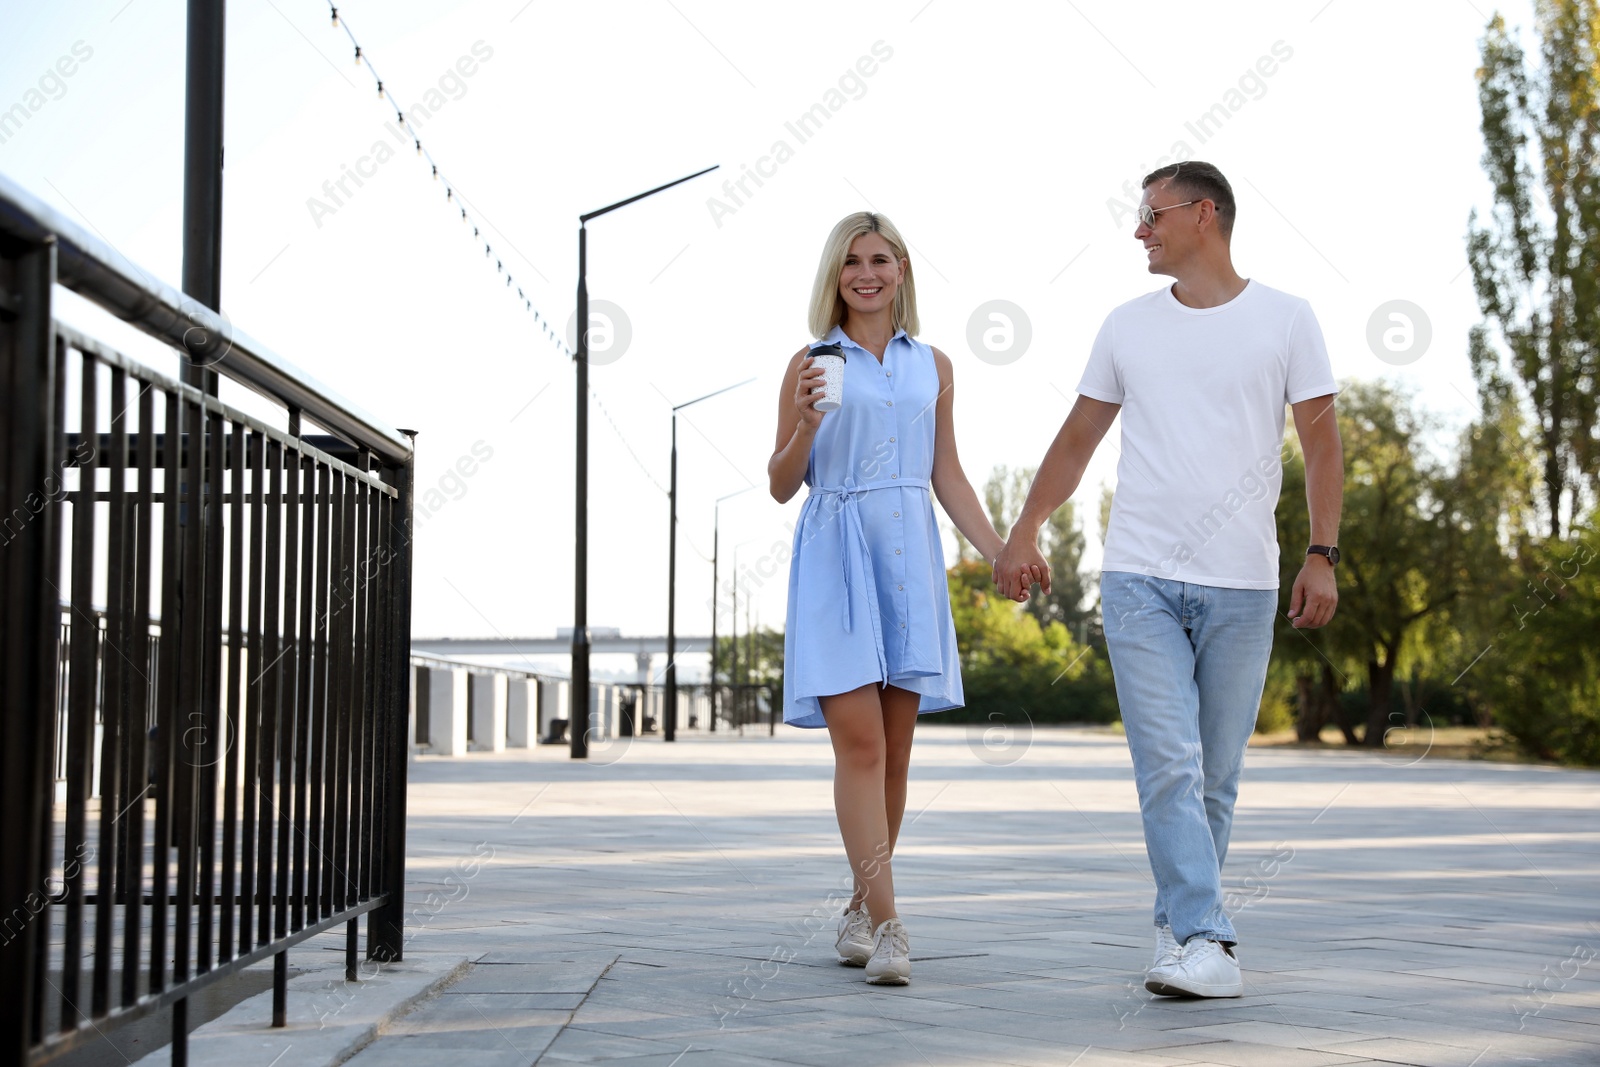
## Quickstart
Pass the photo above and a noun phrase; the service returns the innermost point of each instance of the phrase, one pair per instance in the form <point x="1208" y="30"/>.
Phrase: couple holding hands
<point x="1201" y="372"/>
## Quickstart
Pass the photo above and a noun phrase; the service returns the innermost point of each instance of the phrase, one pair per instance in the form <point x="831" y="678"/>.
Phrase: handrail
<point x="92" y="268"/>
<point x="209" y="742"/>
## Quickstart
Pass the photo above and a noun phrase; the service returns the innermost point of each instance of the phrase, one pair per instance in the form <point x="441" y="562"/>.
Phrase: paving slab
<point x="329" y="1019"/>
<point x="677" y="906"/>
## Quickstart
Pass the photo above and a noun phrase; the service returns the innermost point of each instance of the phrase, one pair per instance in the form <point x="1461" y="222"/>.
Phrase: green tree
<point x="1061" y="541"/>
<point x="1407" y="556"/>
<point x="1317" y="667"/>
<point x="1536" y="264"/>
<point x="1403" y="560"/>
<point x="753" y="658"/>
<point x="1490" y="509"/>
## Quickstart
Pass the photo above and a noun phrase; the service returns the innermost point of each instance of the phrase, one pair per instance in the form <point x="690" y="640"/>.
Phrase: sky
<point x="1005" y="141"/>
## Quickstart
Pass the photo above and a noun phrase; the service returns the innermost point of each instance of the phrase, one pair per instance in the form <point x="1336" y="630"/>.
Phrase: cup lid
<point x="827" y="350"/>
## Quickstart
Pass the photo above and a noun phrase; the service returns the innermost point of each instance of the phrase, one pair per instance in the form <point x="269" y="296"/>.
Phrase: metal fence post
<point x="29" y="626"/>
<point x="386" y="925"/>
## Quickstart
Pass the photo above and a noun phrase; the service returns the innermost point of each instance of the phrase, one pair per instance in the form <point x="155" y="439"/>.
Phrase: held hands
<point x="1018" y="566"/>
<point x="1315" y="595"/>
<point x="804" y="398"/>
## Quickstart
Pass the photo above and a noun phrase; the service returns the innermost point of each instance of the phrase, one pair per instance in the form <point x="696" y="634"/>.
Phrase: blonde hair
<point x="827" y="306"/>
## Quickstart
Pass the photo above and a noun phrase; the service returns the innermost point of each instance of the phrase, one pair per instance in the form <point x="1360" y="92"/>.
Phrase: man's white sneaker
<point x="1167" y="948"/>
<point x="891" y="955"/>
<point x="855" y="938"/>
<point x="1204" y="969"/>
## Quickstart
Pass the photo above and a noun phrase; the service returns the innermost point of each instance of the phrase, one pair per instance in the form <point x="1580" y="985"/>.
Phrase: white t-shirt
<point x="1203" y="393"/>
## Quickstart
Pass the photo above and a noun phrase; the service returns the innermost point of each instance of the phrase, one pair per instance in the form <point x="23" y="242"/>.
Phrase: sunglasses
<point x="1147" y="214"/>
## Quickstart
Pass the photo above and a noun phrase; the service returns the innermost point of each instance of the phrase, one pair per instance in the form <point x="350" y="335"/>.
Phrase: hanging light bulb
<point x="419" y="148"/>
<point x="358" y="55"/>
<point x="380" y="93"/>
<point x="463" y="214"/>
<point x="449" y="193"/>
<point x="436" y="172"/>
<point x="335" y="16"/>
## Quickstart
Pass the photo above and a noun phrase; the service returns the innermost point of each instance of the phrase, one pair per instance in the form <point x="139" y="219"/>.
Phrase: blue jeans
<point x="1189" y="663"/>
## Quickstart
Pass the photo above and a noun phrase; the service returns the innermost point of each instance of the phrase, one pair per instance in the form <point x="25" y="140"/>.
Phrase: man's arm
<point x="1315" y="596"/>
<point x="1058" y="477"/>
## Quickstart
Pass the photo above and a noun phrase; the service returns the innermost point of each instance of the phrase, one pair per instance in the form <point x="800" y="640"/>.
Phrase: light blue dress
<point x="867" y="595"/>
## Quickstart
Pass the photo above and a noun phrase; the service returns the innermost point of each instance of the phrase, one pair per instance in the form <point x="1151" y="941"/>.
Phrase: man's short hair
<point x="1199" y="181"/>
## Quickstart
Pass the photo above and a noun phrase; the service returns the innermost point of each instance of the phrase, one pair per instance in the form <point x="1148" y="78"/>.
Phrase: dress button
<point x="897" y="551"/>
<point x="891" y="440"/>
<point x="888" y="374"/>
<point x="894" y="476"/>
<point x="897" y="514"/>
<point x="889" y="402"/>
<point x="901" y="587"/>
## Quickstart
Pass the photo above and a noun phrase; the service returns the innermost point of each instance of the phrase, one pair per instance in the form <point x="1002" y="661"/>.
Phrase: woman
<point x="869" y="643"/>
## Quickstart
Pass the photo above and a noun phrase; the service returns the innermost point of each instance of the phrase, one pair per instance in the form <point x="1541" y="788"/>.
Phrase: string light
<point x="364" y="59"/>
<point x="618" y="431"/>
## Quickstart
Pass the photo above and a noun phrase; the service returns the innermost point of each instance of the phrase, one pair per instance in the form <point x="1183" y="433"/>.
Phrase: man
<point x="1201" y="371"/>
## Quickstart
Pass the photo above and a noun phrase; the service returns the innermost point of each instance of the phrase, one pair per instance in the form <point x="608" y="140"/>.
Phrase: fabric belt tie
<point x="848" y="507"/>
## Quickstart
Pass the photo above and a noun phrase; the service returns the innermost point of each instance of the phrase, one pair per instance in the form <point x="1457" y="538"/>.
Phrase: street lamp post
<point x="733" y="668"/>
<point x="669" y="714"/>
<point x="579" y="714"/>
<point x="202" y="180"/>
<point x="716" y="520"/>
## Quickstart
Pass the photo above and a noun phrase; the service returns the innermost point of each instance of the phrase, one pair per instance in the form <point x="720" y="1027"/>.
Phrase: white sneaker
<point x="855" y="938"/>
<point x="1203" y="969"/>
<point x="891" y="955"/>
<point x="1167" y="948"/>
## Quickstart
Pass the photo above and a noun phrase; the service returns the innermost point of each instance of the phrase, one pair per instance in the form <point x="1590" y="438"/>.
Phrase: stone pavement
<point x="675" y="904"/>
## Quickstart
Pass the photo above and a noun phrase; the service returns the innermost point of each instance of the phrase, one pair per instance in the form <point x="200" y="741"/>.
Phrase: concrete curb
<point x="329" y="1019"/>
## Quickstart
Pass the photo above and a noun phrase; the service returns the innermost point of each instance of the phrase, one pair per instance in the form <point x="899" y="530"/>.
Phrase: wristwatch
<point x="1330" y="551"/>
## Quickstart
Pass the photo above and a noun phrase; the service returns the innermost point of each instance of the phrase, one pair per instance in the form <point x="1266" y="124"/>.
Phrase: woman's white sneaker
<point x="1203" y="969"/>
<point x="891" y="955"/>
<point x="855" y="938"/>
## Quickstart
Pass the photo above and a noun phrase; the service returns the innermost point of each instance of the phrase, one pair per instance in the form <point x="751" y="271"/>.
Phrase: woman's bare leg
<point x="856" y="728"/>
<point x="899" y="721"/>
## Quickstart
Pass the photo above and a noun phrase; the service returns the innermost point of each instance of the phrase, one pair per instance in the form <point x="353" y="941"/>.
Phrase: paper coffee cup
<point x="831" y="359"/>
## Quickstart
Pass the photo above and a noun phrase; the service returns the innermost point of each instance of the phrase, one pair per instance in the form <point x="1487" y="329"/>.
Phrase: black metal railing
<point x="204" y="625"/>
<point x="753" y="704"/>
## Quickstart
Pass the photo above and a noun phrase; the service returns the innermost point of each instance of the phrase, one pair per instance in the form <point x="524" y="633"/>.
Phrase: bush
<point x="1540" y="677"/>
<point x="1011" y="668"/>
<point x="1277" y="701"/>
